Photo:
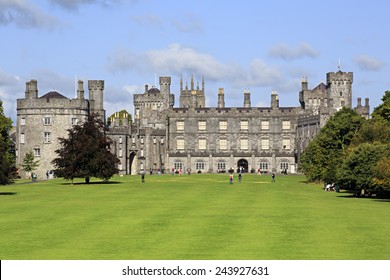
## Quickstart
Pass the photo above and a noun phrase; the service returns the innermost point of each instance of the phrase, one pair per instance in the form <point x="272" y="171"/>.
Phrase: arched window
<point x="178" y="165"/>
<point x="199" y="165"/>
<point x="221" y="166"/>
<point x="264" y="166"/>
<point x="284" y="165"/>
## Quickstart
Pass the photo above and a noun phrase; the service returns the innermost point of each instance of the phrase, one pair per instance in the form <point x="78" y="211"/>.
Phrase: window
<point x="142" y="140"/>
<point x="178" y="165"/>
<point x="141" y="154"/>
<point x="223" y="144"/>
<point x="23" y="121"/>
<point x="47" y="121"/>
<point x="202" y="125"/>
<point x="286" y="125"/>
<point x="265" y="144"/>
<point x="286" y="144"/>
<point x="263" y="166"/>
<point x="47" y="137"/>
<point x="133" y="139"/>
<point x="244" y="125"/>
<point x="264" y="124"/>
<point x="74" y="121"/>
<point x="120" y="139"/>
<point x="120" y="153"/>
<point x="223" y="125"/>
<point x="137" y="113"/>
<point x="180" y="144"/>
<point x="37" y="152"/>
<point x="244" y="144"/>
<point x="199" y="165"/>
<point x="283" y="166"/>
<point x="202" y="144"/>
<point x="221" y="165"/>
<point x="180" y="125"/>
<point x="22" y="138"/>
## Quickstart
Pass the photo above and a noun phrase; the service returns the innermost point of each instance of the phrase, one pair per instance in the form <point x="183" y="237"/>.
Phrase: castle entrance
<point x="132" y="167"/>
<point x="242" y="163"/>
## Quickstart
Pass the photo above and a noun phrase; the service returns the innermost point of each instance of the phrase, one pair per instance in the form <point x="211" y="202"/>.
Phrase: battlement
<point x="165" y="80"/>
<point x="339" y="76"/>
<point x="96" y="85"/>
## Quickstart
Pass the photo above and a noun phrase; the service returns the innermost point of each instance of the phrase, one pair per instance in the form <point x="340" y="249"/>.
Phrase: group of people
<point x="331" y="187"/>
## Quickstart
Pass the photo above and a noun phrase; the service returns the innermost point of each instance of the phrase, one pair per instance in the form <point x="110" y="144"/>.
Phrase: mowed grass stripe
<point x="190" y="217"/>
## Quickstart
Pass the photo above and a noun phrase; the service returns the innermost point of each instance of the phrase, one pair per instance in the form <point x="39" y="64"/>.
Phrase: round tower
<point x="340" y="89"/>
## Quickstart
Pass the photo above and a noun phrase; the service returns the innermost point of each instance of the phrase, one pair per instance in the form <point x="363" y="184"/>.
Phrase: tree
<point x="356" y="171"/>
<point x="6" y="159"/>
<point x="381" y="173"/>
<point x="322" y="157"/>
<point x="383" y="110"/>
<point x="29" y="163"/>
<point x="85" y="153"/>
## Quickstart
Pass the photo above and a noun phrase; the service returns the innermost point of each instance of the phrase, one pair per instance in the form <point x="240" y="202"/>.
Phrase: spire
<point x="192" y="82"/>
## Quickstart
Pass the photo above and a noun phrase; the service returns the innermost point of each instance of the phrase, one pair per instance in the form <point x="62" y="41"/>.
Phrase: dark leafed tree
<point x="6" y="159"/>
<point x="85" y="153"/>
<point x="323" y="156"/>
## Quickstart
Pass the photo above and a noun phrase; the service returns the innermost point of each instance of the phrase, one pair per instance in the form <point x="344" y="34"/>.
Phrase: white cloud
<point x="178" y="60"/>
<point x="367" y="63"/>
<point x="25" y="14"/>
<point x="75" y="4"/>
<point x="289" y="53"/>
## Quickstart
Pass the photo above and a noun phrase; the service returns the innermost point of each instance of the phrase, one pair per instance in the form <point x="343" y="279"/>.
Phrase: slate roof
<point x="154" y="90"/>
<point x="53" y="94"/>
<point x="321" y="86"/>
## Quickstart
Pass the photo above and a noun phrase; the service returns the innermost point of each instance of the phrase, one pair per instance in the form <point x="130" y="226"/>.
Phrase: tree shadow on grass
<point x="354" y="194"/>
<point x="91" y="183"/>
<point x="8" y="193"/>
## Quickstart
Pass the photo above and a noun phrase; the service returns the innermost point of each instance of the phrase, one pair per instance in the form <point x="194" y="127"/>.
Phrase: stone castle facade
<point x="191" y="136"/>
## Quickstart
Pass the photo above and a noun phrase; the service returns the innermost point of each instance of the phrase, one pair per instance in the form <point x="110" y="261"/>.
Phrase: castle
<point x="191" y="136"/>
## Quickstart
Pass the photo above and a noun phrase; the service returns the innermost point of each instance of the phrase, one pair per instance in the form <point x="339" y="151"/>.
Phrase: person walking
<point x="239" y="178"/>
<point x="273" y="177"/>
<point x="231" y="178"/>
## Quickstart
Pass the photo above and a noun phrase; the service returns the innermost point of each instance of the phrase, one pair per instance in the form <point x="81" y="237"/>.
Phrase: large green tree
<point x="6" y="159"/>
<point x="85" y="152"/>
<point x="322" y="157"/>
<point x="357" y="169"/>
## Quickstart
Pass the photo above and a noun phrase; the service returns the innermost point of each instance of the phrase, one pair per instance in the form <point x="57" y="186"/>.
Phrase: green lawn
<point x="190" y="217"/>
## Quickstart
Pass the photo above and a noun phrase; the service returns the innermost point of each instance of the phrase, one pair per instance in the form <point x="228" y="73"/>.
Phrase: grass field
<point x="190" y="217"/>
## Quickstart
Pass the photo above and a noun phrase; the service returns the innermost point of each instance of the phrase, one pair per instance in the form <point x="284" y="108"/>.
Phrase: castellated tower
<point x="340" y="89"/>
<point x="191" y="97"/>
<point x="96" y="89"/>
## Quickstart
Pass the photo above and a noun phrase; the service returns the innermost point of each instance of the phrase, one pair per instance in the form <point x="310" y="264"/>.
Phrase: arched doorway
<point x="132" y="168"/>
<point x="244" y="164"/>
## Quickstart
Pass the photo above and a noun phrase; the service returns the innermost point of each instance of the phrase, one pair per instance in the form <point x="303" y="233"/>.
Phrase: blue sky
<point x="260" y="45"/>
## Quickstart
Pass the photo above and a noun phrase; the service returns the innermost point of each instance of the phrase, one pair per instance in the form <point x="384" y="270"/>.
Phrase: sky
<point x="237" y="45"/>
